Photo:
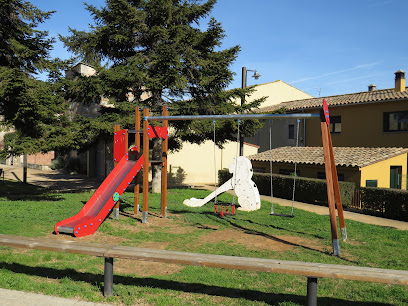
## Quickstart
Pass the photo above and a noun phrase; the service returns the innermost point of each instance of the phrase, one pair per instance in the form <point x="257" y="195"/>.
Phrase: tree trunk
<point x="156" y="168"/>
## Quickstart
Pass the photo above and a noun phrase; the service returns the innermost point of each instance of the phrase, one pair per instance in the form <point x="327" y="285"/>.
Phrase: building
<point x="370" y="122"/>
<point x="373" y="118"/>
<point x="366" y="167"/>
<point x="276" y="92"/>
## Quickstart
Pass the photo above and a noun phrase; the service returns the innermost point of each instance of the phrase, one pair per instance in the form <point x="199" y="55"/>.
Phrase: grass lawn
<point x="32" y="211"/>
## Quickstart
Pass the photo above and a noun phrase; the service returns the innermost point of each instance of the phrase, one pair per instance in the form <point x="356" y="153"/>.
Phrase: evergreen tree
<point x="35" y="109"/>
<point x="159" y="47"/>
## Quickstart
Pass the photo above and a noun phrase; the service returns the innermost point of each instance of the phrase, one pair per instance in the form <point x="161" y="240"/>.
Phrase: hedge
<point x="308" y="190"/>
<point x="389" y="203"/>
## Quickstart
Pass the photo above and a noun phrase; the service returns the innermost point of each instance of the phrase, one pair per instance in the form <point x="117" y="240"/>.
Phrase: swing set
<point x="333" y="190"/>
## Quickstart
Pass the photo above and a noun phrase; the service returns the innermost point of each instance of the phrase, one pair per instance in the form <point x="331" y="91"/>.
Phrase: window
<point x="395" y="121"/>
<point x="291" y="130"/>
<point x="371" y="183"/>
<point x="395" y="177"/>
<point x="335" y="124"/>
<point x="322" y="176"/>
<point x="259" y="170"/>
<point x="288" y="172"/>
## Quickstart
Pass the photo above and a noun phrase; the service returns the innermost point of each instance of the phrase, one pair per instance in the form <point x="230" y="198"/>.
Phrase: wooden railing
<point x="310" y="270"/>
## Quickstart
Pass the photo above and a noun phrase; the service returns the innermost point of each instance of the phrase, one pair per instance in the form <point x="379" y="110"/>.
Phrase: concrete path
<point x="18" y="298"/>
<point x="56" y="180"/>
<point x="348" y="215"/>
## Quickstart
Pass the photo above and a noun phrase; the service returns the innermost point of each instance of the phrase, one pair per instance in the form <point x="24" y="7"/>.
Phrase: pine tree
<point x="159" y="47"/>
<point x="34" y="108"/>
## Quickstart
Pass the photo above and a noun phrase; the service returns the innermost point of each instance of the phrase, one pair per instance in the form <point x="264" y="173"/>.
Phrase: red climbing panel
<point x="157" y="131"/>
<point x="119" y="145"/>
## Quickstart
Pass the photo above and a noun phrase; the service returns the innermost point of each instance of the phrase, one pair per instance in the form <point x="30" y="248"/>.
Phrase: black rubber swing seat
<point x="283" y="215"/>
<point x="223" y="203"/>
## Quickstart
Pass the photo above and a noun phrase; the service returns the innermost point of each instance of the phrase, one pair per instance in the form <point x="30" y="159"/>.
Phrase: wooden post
<point x="145" y="166"/>
<point x="115" y="213"/>
<point x="165" y="144"/>
<point x="337" y="194"/>
<point x="329" y="183"/>
<point x="137" y="145"/>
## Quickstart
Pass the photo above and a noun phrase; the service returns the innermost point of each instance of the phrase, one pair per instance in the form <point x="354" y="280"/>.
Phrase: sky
<point x="322" y="47"/>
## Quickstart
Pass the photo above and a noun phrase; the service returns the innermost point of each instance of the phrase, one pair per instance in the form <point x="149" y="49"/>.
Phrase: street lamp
<point x="243" y="86"/>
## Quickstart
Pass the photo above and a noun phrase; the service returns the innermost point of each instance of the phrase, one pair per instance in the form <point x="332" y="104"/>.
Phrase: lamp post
<point x="243" y="86"/>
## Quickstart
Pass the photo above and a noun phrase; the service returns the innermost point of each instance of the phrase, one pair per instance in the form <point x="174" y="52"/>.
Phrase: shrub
<point x="58" y="163"/>
<point x="308" y="190"/>
<point x="390" y="203"/>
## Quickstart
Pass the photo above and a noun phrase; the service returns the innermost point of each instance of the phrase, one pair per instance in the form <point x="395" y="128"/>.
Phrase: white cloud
<point x="335" y="72"/>
<point x="353" y="79"/>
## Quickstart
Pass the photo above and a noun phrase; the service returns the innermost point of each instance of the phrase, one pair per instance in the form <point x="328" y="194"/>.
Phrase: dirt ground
<point x="277" y="243"/>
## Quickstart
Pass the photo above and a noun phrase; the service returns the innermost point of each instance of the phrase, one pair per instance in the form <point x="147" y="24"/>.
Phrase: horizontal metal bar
<point x="135" y="131"/>
<point x="241" y="116"/>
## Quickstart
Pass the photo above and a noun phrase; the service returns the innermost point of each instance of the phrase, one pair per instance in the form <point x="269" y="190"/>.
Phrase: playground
<point x="177" y="227"/>
<point x="251" y="234"/>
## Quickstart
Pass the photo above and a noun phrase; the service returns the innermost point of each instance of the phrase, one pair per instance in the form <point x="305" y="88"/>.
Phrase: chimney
<point x="400" y="80"/>
<point x="372" y="87"/>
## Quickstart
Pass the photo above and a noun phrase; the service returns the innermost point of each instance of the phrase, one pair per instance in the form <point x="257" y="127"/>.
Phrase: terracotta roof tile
<point x="343" y="156"/>
<point x="355" y="98"/>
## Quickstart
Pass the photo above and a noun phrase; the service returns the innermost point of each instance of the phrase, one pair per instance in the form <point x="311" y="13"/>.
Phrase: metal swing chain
<point x="215" y="167"/>
<point x="270" y="164"/>
<point x="296" y="159"/>
<point x="236" y="163"/>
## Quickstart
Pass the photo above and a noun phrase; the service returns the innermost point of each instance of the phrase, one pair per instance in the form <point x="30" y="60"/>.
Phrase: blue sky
<point x="319" y="46"/>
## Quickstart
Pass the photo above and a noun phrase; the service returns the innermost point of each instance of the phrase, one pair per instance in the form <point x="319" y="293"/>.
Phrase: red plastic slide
<point x="87" y="221"/>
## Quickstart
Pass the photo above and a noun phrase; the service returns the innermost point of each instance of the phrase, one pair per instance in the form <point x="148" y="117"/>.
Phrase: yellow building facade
<point x="366" y="167"/>
<point x="380" y="173"/>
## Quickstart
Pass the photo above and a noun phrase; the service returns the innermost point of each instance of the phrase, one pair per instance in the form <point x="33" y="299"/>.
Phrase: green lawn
<point x="33" y="211"/>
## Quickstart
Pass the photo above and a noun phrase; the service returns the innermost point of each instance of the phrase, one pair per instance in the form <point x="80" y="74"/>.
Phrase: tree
<point x="159" y="47"/>
<point x="34" y="108"/>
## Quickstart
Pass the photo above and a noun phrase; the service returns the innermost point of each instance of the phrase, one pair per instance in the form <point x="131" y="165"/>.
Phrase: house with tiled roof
<point x="363" y="166"/>
<point x="369" y="120"/>
<point x="373" y="118"/>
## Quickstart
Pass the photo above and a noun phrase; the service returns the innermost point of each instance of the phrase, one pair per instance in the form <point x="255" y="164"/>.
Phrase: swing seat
<point x="282" y="215"/>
